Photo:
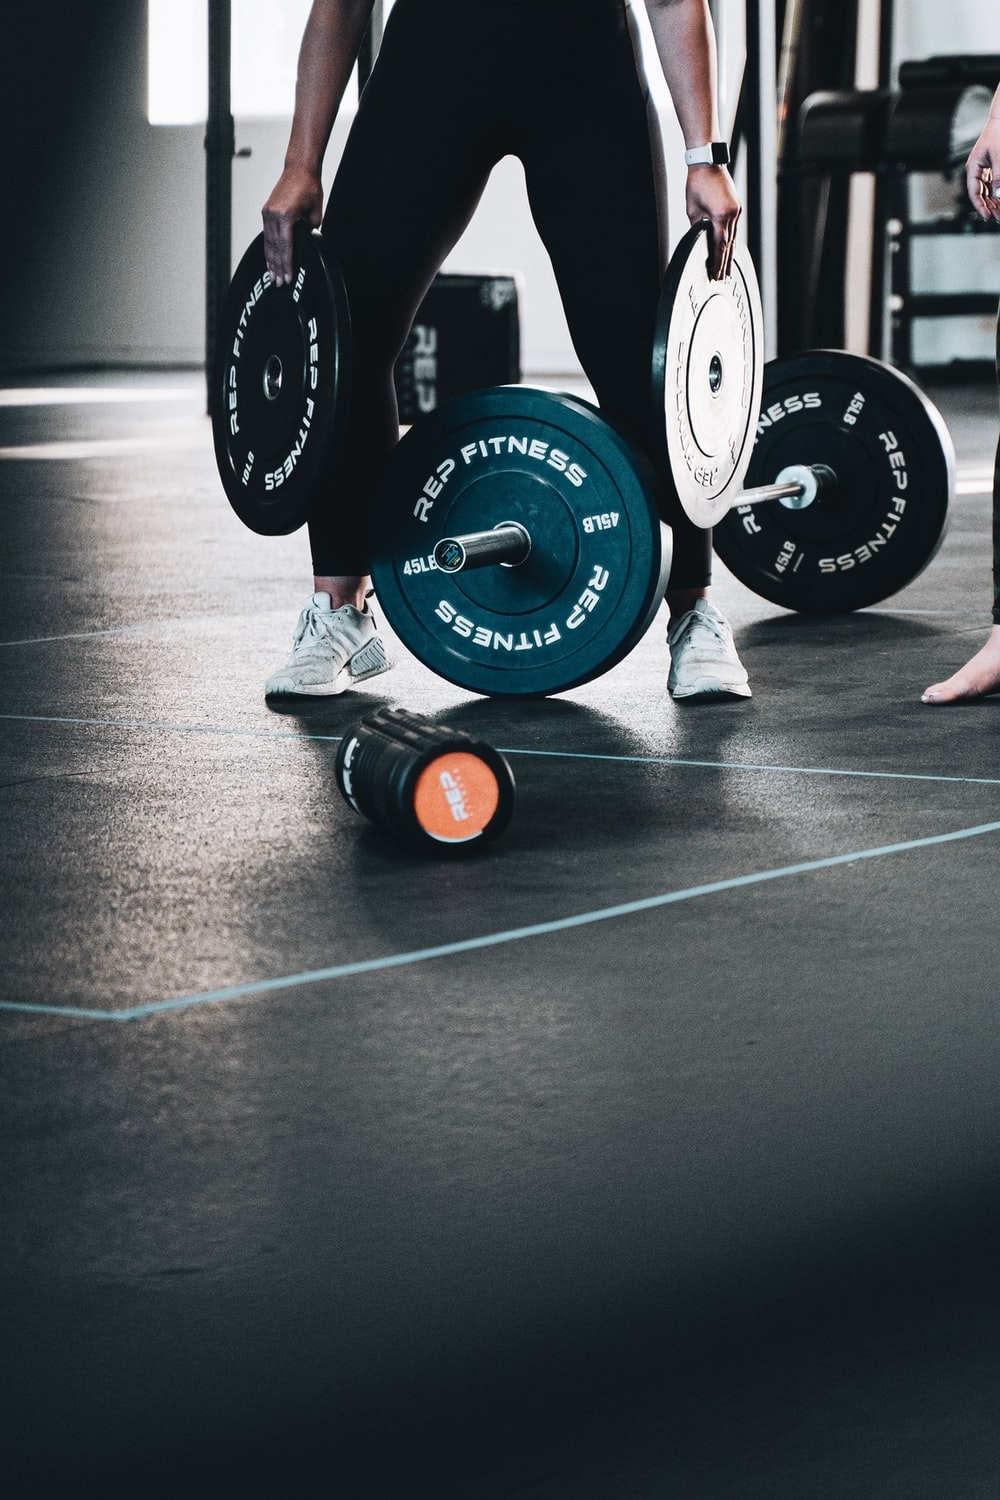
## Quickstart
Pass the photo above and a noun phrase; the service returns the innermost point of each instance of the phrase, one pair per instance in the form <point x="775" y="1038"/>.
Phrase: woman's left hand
<point x="711" y="194"/>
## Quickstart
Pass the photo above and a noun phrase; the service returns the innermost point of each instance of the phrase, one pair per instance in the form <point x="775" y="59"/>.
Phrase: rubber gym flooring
<point x="652" y="1152"/>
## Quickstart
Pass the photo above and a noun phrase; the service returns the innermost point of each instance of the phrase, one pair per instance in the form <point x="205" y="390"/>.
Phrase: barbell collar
<point x="797" y="487"/>
<point x="507" y="544"/>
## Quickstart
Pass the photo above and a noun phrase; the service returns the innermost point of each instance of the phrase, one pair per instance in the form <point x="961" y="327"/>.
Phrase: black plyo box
<point x="466" y="334"/>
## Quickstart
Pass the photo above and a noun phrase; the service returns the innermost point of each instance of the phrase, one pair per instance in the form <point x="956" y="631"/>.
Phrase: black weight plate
<point x="599" y="553"/>
<point x="707" y="372"/>
<point x="280" y="386"/>
<point x="885" y="518"/>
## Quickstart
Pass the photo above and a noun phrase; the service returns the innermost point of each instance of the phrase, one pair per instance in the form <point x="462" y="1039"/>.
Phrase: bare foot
<point x="978" y="677"/>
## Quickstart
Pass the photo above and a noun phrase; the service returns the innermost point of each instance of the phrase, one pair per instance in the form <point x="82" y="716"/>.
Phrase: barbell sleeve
<point x="507" y="543"/>
<point x="796" y="487"/>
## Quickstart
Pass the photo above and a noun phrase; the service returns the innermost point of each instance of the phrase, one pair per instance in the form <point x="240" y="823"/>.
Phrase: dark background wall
<point x="102" y="258"/>
<point x="101" y="249"/>
<point x="97" y="200"/>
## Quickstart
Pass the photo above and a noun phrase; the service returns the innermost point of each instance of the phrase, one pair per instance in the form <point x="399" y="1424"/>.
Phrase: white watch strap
<point x="714" y="154"/>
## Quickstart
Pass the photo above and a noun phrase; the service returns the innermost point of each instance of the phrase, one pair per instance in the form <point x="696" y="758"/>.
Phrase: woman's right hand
<point x="297" y="194"/>
<point x="982" y="170"/>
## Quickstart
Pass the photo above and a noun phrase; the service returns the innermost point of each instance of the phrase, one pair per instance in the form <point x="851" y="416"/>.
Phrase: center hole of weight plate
<point x="715" y="374"/>
<point x="272" y="378"/>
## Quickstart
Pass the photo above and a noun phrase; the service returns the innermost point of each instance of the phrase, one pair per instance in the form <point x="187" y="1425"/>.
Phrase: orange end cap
<point x="455" y="797"/>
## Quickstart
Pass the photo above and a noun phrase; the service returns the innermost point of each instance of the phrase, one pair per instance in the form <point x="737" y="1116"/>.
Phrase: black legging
<point x="458" y="84"/>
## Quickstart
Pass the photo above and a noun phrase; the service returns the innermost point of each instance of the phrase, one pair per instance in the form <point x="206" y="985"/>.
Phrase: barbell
<point x="521" y="550"/>
<point x="887" y="474"/>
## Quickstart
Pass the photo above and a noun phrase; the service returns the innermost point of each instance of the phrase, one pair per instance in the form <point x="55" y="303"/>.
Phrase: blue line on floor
<point x="980" y="616"/>
<point x="737" y="765"/>
<point x="159" y="725"/>
<point x="77" y="635"/>
<point x="633" y="760"/>
<point x="494" y="939"/>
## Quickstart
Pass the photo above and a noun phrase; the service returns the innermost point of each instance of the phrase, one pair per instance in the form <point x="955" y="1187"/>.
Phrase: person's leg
<point x="412" y="172"/>
<point x="979" y="677"/>
<point x="411" y="175"/>
<point x="594" y="169"/>
<point x="981" y="674"/>
<point x="596" y="185"/>
<point x="343" y="588"/>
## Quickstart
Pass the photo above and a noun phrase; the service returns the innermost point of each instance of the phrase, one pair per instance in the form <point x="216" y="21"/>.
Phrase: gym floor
<point x="676" y="1175"/>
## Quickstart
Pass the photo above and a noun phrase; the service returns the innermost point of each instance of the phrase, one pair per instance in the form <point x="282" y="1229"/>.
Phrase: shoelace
<point x="705" y="620"/>
<point x="309" y="628"/>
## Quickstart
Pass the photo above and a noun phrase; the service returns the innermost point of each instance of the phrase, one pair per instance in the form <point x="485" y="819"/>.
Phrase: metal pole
<point x="762" y="158"/>
<point x="891" y="193"/>
<point x="220" y="148"/>
<point x="886" y="39"/>
<point x="791" y="34"/>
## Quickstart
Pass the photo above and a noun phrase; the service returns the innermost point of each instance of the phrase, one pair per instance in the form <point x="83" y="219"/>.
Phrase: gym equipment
<point x="522" y="550"/>
<point x="437" y="789"/>
<point x="466" y="334"/>
<point x="843" y="130"/>
<point x="278" y="399"/>
<point x="707" y="370"/>
<point x="861" y="467"/>
<point x="850" y="482"/>
<point x="280" y="387"/>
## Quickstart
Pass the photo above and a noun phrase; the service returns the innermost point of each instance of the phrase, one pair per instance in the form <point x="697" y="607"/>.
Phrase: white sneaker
<point x="703" y="659"/>
<point x="331" y="649"/>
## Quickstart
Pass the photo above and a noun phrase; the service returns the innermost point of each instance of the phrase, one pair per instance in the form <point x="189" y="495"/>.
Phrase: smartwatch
<point x="715" y="154"/>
